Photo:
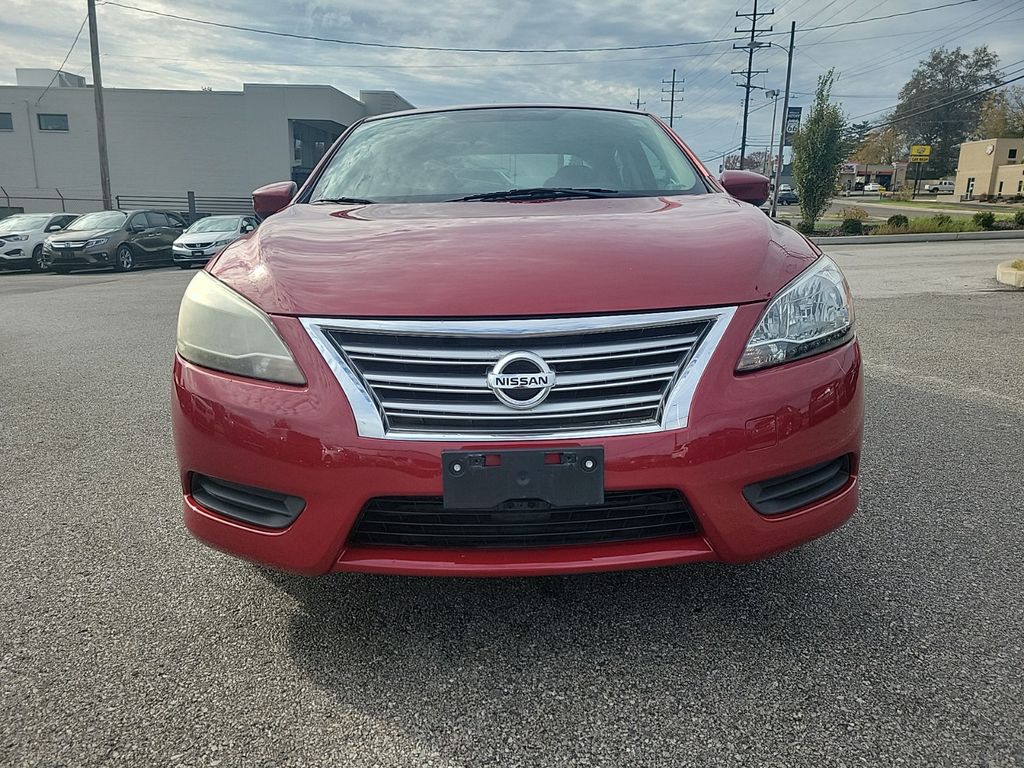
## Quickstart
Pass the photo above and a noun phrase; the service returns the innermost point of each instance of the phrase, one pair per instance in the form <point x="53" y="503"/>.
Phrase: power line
<point x="950" y="32"/>
<point x="945" y="104"/>
<point x="66" y="57"/>
<point x="445" y="49"/>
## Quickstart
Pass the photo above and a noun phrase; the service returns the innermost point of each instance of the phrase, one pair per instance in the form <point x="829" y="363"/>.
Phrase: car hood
<point x="514" y="258"/>
<point x="81" y="234"/>
<point x="203" y="237"/>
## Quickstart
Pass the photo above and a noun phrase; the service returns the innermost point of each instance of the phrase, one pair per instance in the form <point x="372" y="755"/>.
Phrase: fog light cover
<point x="813" y="314"/>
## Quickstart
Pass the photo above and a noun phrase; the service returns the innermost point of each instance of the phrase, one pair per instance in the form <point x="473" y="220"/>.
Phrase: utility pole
<point x="750" y="47"/>
<point x="673" y="97"/>
<point x="638" y="102"/>
<point x="785" y="115"/>
<point x="772" y="94"/>
<point x="97" y="90"/>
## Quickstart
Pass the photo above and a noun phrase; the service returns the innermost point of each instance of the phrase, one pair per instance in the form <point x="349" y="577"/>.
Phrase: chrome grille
<point x="428" y="379"/>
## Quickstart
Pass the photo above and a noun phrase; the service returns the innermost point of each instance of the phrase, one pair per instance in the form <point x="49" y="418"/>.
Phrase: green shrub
<point x="899" y="221"/>
<point x="852" y="227"/>
<point x="805" y="228"/>
<point x="1018" y="218"/>
<point x="928" y="224"/>
<point x="858" y="214"/>
<point x="985" y="219"/>
<point x="1017" y="264"/>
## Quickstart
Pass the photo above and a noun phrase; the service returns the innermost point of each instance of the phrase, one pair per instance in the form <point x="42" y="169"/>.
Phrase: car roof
<point x="468" y="107"/>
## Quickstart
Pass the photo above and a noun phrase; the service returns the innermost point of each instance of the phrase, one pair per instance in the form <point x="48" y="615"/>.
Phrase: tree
<point x="941" y="78"/>
<point x="818" y="153"/>
<point x="886" y="145"/>
<point x="755" y="161"/>
<point x="1002" y="115"/>
<point x="854" y="136"/>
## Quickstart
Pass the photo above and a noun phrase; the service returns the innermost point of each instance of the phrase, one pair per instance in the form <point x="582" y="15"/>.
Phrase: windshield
<point x="215" y="224"/>
<point x="450" y="155"/>
<point x="14" y="223"/>
<point x="99" y="220"/>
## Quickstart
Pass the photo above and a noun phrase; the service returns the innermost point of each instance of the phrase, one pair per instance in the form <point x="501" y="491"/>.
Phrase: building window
<point x="1020" y="187"/>
<point x="6" y="123"/>
<point x="1000" y="188"/>
<point x="321" y="147"/>
<point x="297" y="156"/>
<point x="970" y="187"/>
<point x="53" y="122"/>
<point x="1013" y="153"/>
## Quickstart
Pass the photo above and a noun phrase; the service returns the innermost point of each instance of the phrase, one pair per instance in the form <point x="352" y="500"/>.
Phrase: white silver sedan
<point x="208" y="236"/>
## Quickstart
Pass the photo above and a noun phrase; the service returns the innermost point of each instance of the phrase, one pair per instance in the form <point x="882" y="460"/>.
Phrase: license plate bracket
<point x="561" y="477"/>
<point x="198" y="254"/>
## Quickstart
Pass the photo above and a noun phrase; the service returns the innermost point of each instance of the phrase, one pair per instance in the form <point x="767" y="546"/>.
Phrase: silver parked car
<point x="207" y="237"/>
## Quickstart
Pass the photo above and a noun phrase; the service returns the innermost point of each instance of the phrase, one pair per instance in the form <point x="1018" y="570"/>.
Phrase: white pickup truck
<point x="944" y="187"/>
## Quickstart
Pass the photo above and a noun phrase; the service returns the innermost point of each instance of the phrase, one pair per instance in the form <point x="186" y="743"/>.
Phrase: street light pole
<point x="772" y="94"/>
<point x="785" y="115"/>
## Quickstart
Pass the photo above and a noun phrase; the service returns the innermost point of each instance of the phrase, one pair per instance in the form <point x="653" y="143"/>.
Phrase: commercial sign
<point x="792" y="123"/>
<point x="920" y="150"/>
<point x="919" y="158"/>
<point x="848" y="168"/>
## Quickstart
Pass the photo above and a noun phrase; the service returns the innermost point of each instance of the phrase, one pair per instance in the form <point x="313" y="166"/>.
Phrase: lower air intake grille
<point x="408" y="521"/>
<point x="798" y="489"/>
<point x="242" y="502"/>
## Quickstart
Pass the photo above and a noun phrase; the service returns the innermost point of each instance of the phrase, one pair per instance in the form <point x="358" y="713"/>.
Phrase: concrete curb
<point x="1008" y="234"/>
<point x="1007" y="275"/>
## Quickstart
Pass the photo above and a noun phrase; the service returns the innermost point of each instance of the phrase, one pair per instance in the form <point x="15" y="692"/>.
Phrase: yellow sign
<point x="921" y="150"/>
<point x="919" y="158"/>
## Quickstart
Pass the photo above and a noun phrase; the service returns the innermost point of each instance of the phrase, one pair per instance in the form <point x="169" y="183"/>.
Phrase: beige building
<point x="990" y="167"/>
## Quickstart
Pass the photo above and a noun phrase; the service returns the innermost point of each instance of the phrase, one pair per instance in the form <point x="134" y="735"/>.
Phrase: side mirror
<point x="246" y="228"/>
<point x="271" y="198"/>
<point x="54" y="228"/>
<point x="747" y="186"/>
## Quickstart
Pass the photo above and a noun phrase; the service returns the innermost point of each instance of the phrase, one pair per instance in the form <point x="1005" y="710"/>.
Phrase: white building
<point x="164" y="143"/>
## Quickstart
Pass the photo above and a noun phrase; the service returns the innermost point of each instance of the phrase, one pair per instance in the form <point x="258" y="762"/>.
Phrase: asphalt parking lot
<point x="895" y="641"/>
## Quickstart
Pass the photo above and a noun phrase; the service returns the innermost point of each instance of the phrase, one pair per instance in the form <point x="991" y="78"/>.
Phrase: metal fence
<point x="189" y="204"/>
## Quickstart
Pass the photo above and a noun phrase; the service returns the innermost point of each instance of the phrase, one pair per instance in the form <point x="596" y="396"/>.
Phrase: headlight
<point x="225" y="241"/>
<point x="219" y="329"/>
<point x="15" y="238"/>
<point x="812" y="314"/>
<point x="96" y="241"/>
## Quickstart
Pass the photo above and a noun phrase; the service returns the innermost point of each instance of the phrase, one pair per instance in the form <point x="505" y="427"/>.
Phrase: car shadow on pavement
<point x="444" y="658"/>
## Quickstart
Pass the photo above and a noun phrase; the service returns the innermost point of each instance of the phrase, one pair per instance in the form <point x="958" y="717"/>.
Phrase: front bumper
<point x="303" y="441"/>
<point x="12" y="255"/>
<point x="97" y="256"/>
<point x="184" y="255"/>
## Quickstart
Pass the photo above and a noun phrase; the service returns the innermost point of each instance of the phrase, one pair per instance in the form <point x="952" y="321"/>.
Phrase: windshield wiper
<point x="356" y="200"/>
<point x="539" y="193"/>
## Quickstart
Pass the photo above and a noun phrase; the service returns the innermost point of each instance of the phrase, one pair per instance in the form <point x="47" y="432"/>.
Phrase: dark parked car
<point x="119" y="239"/>
<point x="788" y="197"/>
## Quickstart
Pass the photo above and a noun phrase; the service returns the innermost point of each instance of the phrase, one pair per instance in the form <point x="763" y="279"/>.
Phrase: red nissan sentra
<point x="495" y="341"/>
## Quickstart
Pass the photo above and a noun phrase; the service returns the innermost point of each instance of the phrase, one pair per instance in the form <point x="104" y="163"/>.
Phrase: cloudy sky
<point x="873" y="59"/>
